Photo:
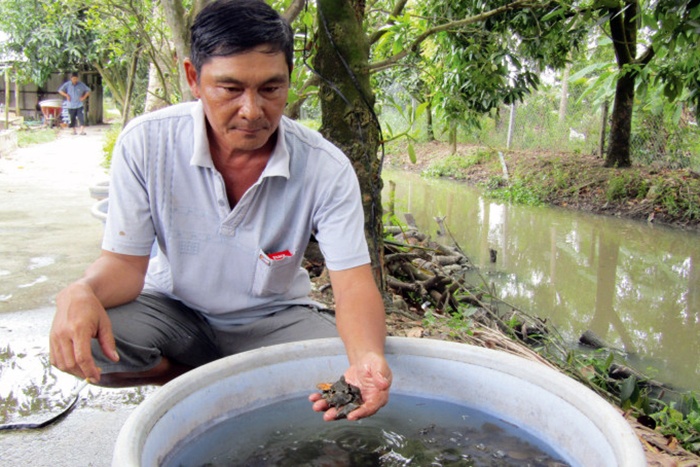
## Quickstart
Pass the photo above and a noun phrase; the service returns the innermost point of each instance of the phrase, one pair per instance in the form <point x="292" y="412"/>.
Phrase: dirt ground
<point x="577" y="181"/>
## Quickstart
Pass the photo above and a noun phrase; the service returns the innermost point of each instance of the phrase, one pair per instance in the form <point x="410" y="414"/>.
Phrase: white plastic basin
<point x="100" y="190"/>
<point x="54" y="103"/>
<point x="581" y="426"/>
<point x="99" y="210"/>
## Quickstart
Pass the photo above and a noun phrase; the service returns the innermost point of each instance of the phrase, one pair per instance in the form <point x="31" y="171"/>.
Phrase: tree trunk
<point x="623" y="29"/>
<point x="564" y="97"/>
<point x="6" y="117"/>
<point x="618" y="154"/>
<point x="17" y="98"/>
<point x="179" y="23"/>
<point x="115" y="83"/>
<point x="429" y="120"/>
<point x="603" y="129"/>
<point x="347" y="105"/>
<point x="130" y="87"/>
<point x="157" y="94"/>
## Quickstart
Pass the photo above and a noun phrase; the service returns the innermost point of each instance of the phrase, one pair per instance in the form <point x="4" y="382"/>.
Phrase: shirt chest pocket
<point x="274" y="274"/>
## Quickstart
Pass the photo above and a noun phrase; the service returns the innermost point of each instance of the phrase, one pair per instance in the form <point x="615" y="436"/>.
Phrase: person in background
<point x="230" y="190"/>
<point x="75" y="92"/>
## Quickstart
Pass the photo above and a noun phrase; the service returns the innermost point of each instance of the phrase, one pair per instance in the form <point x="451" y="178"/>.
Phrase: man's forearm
<point x="116" y="279"/>
<point x="363" y="330"/>
<point x="360" y="315"/>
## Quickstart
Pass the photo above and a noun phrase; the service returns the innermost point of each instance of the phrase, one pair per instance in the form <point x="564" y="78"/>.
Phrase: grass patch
<point x="679" y="196"/>
<point x="626" y="186"/>
<point x="519" y="192"/>
<point x="455" y="165"/>
<point x="27" y="137"/>
<point x="532" y="185"/>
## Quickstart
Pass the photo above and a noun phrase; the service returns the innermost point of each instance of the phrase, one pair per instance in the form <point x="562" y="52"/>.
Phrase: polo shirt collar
<point x="277" y="166"/>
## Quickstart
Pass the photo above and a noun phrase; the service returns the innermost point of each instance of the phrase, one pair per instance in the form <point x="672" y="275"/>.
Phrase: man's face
<point x="243" y="97"/>
<point x="74" y="80"/>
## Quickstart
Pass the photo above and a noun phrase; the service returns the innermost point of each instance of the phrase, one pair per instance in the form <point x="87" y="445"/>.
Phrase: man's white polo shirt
<point x="233" y="265"/>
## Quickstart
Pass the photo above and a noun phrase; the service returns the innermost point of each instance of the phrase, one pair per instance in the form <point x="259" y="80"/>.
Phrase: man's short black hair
<point x="230" y="27"/>
<point x="75" y="75"/>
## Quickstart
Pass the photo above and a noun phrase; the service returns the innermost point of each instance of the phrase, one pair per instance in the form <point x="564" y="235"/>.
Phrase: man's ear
<point x="192" y="77"/>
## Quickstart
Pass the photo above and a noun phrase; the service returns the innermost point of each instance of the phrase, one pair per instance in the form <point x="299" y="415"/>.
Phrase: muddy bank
<point x="573" y="181"/>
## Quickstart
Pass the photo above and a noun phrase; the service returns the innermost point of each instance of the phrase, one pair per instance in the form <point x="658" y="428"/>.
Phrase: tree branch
<point x="292" y="111"/>
<point x="398" y="9"/>
<point x="293" y="10"/>
<point x="619" y="37"/>
<point x="179" y="23"/>
<point x="646" y="57"/>
<point x="517" y="4"/>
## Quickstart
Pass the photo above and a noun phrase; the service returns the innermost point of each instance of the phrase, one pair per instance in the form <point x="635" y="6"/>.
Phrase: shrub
<point x="108" y="146"/>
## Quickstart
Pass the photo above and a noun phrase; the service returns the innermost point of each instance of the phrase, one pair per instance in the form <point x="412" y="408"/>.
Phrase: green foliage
<point x="392" y="219"/>
<point x="537" y="127"/>
<point x="429" y="319"/>
<point x="676" y="27"/>
<point x="49" y="36"/>
<point x="533" y="187"/>
<point x="108" y="146"/>
<point x="592" y="368"/>
<point x="404" y="116"/>
<point x="495" y="61"/>
<point x="632" y="395"/>
<point x="44" y="38"/>
<point x="617" y="189"/>
<point x="483" y="61"/>
<point x="671" y="30"/>
<point x="302" y="89"/>
<point x="313" y="124"/>
<point x="682" y="421"/>
<point x="664" y="134"/>
<point x="460" y="322"/>
<point x="678" y="416"/>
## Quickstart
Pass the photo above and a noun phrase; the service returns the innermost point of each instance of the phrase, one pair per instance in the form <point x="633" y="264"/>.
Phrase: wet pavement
<point x="48" y="237"/>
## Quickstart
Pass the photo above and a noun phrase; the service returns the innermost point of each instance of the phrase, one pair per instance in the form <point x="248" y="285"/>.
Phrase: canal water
<point x="636" y="285"/>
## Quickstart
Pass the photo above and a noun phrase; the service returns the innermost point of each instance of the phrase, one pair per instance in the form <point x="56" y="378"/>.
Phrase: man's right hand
<point x="80" y="317"/>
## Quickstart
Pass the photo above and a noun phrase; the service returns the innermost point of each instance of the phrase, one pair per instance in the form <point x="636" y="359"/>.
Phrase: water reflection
<point x="31" y="390"/>
<point x="636" y="285"/>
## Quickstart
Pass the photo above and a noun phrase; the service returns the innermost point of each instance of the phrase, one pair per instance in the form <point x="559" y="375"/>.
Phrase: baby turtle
<point x="341" y="395"/>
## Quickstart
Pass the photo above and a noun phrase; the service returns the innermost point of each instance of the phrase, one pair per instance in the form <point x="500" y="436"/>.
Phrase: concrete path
<point x="47" y="239"/>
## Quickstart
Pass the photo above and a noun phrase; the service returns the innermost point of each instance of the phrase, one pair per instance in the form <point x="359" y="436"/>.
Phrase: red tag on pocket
<point x="279" y="255"/>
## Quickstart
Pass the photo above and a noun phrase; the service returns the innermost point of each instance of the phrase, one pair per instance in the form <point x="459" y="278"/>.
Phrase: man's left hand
<point x="373" y="377"/>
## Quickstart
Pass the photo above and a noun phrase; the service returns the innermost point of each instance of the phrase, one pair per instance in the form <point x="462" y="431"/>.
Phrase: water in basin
<point x="408" y="431"/>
